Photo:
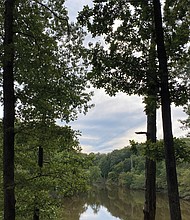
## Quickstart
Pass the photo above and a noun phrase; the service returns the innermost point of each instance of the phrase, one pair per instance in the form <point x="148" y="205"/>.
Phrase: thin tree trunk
<point x="173" y="194"/>
<point x="150" y="168"/>
<point x="9" y="114"/>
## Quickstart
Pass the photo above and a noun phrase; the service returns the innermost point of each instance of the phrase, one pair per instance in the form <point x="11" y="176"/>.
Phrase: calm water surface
<point x="115" y="204"/>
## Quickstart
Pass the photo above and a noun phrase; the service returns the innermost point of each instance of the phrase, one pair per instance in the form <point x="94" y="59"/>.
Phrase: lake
<point x="115" y="203"/>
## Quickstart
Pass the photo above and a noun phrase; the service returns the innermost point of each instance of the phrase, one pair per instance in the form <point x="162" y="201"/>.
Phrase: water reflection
<point x="102" y="214"/>
<point x="115" y="203"/>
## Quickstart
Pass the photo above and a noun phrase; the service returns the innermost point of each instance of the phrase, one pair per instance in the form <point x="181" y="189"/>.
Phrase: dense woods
<point x="126" y="167"/>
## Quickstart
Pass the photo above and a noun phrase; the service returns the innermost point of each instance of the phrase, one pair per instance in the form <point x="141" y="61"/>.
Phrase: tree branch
<point x="57" y="16"/>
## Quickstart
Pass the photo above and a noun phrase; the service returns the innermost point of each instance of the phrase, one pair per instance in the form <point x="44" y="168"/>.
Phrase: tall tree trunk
<point x="151" y="103"/>
<point x="150" y="168"/>
<point x="9" y="114"/>
<point x="173" y="194"/>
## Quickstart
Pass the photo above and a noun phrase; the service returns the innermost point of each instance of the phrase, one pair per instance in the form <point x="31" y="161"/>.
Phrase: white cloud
<point x="113" y="105"/>
<point x="108" y="124"/>
<point x="90" y="138"/>
<point x="114" y="120"/>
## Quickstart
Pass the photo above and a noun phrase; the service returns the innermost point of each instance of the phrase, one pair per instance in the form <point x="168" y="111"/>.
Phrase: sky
<point x="114" y="120"/>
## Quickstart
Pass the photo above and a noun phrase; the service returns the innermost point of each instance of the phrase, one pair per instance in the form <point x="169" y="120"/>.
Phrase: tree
<point x="9" y="113"/>
<point x="63" y="173"/>
<point x="43" y="75"/>
<point x="64" y="170"/>
<point x="123" y="65"/>
<point x="122" y="69"/>
<point x="104" y="166"/>
<point x="173" y="194"/>
<point x="150" y="108"/>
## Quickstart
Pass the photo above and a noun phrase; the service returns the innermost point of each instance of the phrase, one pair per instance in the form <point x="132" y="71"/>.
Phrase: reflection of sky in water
<point x="102" y="214"/>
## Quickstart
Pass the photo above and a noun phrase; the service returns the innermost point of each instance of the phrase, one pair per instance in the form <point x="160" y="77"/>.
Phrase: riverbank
<point x="103" y="184"/>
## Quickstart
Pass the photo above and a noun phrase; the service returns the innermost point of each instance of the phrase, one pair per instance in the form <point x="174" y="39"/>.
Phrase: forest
<point x="47" y="72"/>
<point x="126" y="167"/>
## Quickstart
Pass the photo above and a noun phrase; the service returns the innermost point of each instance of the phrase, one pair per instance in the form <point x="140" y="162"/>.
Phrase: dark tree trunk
<point x="173" y="194"/>
<point x="9" y="114"/>
<point x="36" y="215"/>
<point x="150" y="165"/>
<point x="150" y="168"/>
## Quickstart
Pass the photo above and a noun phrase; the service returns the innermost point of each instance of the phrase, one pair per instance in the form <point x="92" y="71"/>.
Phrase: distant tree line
<point x="126" y="167"/>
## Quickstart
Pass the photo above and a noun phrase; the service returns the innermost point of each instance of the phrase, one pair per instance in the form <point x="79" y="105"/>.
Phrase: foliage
<point x="49" y="73"/>
<point x="64" y="172"/>
<point x="184" y="183"/>
<point x="155" y="151"/>
<point x="94" y="174"/>
<point x="128" y="166"/>
<point x="125" y="179"/>
<point x="161" y="176"/>
<point x="50" y="84"/>
<point x="116" y="67"/>
<point x="186" y="122"/>
<point x="125" y="61"/>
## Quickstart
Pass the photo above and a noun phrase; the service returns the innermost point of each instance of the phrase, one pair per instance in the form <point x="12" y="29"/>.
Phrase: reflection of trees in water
<point x="121" y="203"/>
<point x="94" y="201"/>
<point x="95" y="208"/>
<point x="185" y="208"/>
<point x="73" y="207"/>
<point x="128" y="205"/>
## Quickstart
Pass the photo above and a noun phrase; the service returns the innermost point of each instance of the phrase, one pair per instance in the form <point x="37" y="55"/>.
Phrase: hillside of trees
<point x="126" y="167"/>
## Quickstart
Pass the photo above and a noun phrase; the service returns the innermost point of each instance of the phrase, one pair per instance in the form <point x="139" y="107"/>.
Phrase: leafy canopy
<point x="49" y="73"/>
<point x="124" y="62"/>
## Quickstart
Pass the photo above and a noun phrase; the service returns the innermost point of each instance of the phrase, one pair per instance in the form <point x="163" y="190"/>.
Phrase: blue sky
<point x="114" y="120"/>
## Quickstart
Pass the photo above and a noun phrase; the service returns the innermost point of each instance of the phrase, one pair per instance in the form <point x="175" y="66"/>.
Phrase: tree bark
<point x="36" y="215"/>
<point x="151" y="106"/>
<point x="9" y="114"/>
<point x="150" y="168"/>
<point x="173" y="194"/>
